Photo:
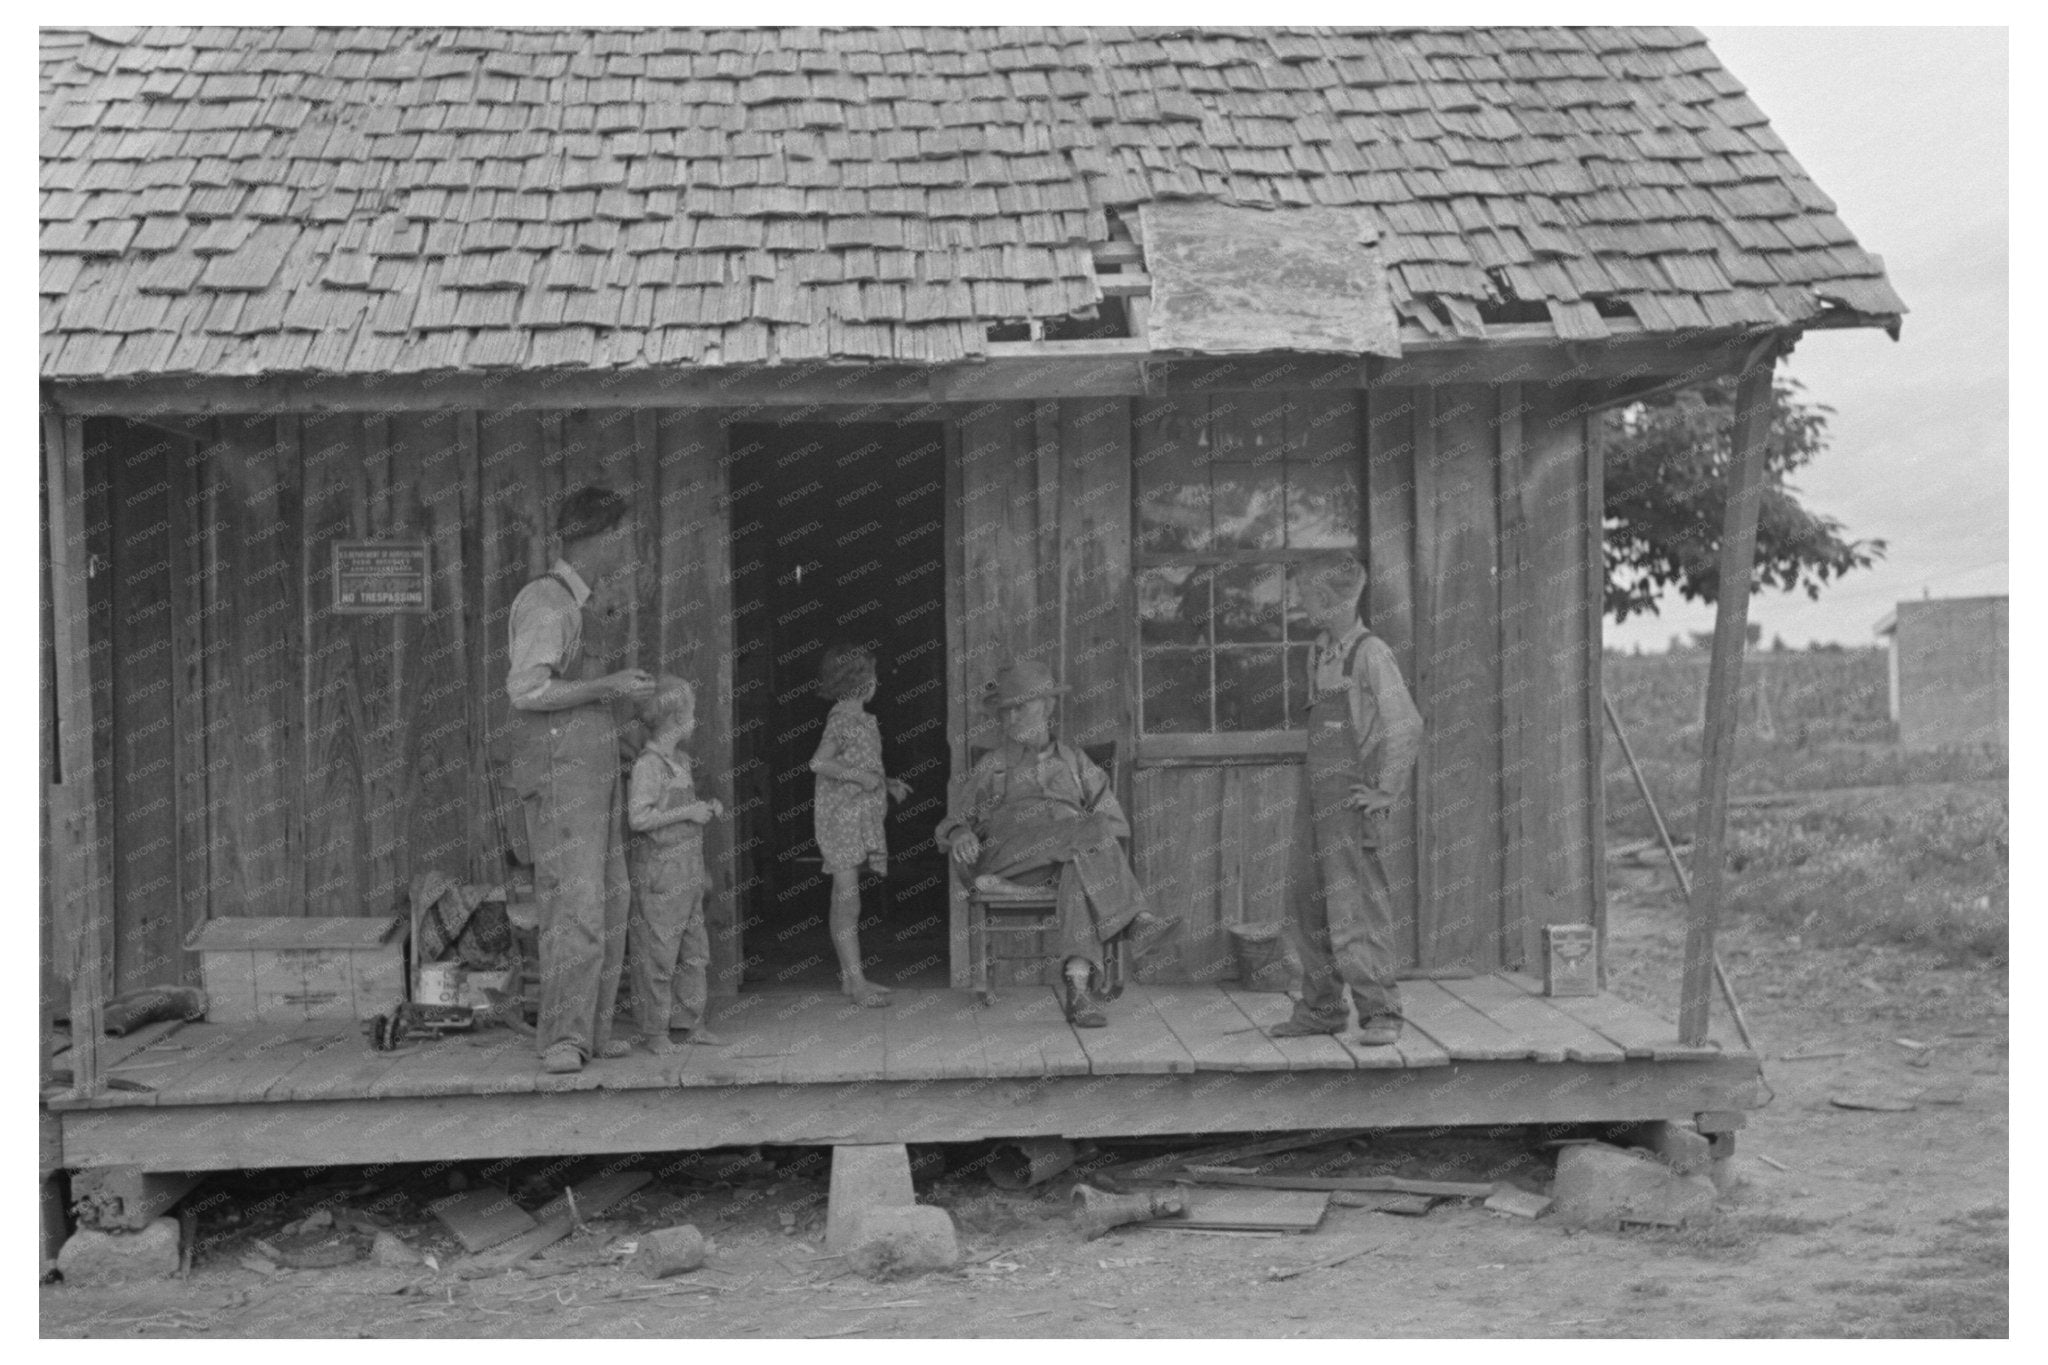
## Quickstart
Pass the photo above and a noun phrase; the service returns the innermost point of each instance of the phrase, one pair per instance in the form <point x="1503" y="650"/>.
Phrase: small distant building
<point x="1948" y="670"/>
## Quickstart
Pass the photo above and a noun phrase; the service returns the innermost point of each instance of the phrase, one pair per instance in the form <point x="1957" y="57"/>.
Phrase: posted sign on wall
<point x="372" y="577"/>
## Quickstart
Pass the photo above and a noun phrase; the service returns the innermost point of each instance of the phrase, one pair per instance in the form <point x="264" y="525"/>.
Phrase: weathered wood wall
<point x="312" y="763"/>
<point x="1481" y="534"/>
<point x="268" y="756"/>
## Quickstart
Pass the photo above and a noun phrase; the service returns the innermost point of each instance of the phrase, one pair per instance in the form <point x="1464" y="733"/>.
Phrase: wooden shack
<point x="972" y="344"/>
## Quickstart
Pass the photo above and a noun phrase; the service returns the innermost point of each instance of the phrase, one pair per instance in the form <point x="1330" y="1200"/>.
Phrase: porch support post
<point x="1724" y="686"/>
<point x="79" y="897"/>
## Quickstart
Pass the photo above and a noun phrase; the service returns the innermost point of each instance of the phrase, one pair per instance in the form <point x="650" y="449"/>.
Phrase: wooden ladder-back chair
<point x="991" y="914"/>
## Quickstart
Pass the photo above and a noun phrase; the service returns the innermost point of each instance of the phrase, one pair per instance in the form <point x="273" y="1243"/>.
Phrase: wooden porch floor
<point x="810" y="1066"/>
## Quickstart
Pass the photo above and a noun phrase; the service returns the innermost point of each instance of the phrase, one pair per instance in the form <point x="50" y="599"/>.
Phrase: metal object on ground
<point x="1030" y="1161"/>
<point x="1098" y="1212"/>
<point x="1263" y="961"/>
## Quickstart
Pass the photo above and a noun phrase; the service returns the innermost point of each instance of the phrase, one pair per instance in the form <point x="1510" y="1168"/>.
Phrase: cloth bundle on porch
<point x="470" y="920"/>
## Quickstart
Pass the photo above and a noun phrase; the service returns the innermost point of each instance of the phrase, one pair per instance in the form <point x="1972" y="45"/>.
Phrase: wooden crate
<point x="295" y="969"/>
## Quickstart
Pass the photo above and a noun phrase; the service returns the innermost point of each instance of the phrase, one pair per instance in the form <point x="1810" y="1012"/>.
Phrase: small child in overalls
<point x="853" y="793"/>
<point x="665" y="938"/>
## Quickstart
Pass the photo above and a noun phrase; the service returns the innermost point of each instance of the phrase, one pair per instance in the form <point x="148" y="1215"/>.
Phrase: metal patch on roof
<point x="1232" y="280"/>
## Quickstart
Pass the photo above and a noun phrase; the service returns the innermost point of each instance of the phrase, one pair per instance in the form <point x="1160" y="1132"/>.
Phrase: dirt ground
<point x="1845" y="1222"/>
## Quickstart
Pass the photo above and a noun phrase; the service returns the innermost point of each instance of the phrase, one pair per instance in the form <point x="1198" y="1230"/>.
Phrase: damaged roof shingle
<point x="359" y="200"/>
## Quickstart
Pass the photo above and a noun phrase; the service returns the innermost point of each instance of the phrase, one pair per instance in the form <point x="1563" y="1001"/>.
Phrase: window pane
<point x="1173" y="606"/>
<point x="1174" y="518"/>
<point x="1322" y="505"/>
<point x="1173" y="691"/>
<point x="1250" y="507"/>
<point x="1248" y="603"/>
<point x="1251" y="690"/>
<point x="1298" y="657"/>
<point x="1172" y="476"/>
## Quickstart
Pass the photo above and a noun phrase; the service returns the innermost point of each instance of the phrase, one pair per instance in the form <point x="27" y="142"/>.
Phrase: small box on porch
<point x="289" y="969"/>
<point x="1571" y="960"/>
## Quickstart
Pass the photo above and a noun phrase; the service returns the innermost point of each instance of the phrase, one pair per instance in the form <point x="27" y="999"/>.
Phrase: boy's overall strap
<point x="1351" y="656"/>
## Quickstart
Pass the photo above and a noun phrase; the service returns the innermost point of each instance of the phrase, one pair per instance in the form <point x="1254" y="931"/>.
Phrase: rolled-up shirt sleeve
<point x="644" y="792"/>
<point x="967" y="799"/>
<point x="540" y="630"/>
<point x="1397" y="730"/>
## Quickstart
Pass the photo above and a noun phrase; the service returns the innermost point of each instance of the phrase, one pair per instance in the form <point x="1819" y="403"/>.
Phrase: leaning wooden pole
<point x="1724" y="685"/>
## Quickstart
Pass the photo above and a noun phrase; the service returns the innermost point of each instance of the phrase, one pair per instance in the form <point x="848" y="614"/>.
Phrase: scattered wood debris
<point x="482" y="1219"/>
<point x="1378" y="1184"/>
<point x="1248" y="1211"/>
<point x="1517" y="1202"/>
<point x="1289" y="1272"/>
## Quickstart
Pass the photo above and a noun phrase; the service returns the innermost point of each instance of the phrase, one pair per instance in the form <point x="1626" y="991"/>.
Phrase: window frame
<point x="1213" y="744"/>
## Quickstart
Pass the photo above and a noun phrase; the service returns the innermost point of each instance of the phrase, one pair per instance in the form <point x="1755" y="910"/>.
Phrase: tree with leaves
<point x="1668" y="459"/>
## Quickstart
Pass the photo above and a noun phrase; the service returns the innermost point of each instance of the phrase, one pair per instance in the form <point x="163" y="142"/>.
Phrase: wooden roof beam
<point x="1021" y="369"/>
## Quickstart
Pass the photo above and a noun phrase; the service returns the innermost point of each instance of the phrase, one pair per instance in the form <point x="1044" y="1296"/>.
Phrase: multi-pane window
<point x="1234" y="494"/>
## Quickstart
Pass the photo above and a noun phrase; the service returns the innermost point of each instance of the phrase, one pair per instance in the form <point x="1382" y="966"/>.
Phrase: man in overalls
<point x="1363" y="735"/>
<point x="566" y="769"/>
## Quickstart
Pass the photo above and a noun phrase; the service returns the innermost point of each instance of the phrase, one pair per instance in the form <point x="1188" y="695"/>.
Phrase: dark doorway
<point x="838" y="536"/>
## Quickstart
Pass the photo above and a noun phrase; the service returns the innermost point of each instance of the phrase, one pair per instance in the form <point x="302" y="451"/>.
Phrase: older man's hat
<point x="1018" y="683"/>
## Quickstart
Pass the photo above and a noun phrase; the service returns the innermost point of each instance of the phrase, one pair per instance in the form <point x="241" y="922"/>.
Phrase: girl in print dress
<point x="852" y="796"/>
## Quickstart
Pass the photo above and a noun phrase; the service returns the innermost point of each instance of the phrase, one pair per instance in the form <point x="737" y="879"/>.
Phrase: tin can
<point x="476" y="987"/>
<point x="440" y="983"/>
<point x="1571" y="960"/>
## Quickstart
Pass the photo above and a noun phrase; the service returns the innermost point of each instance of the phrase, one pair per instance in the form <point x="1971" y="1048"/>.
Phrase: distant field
<point x="1810" y="721"/>
<point x="1909" y="847"/>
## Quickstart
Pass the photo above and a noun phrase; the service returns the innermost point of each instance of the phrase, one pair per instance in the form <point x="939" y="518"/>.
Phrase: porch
<point x="807" y="1067"/>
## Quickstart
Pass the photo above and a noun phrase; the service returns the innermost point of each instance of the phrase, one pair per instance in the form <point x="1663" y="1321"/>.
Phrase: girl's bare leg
<point x="846" y="940"/>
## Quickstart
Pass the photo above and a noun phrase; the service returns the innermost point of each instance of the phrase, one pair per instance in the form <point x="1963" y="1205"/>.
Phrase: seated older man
<point x="1036" y="812"/>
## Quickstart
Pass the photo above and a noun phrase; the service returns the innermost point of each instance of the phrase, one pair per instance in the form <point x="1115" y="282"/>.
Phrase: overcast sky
<point x="1906" y="130"/>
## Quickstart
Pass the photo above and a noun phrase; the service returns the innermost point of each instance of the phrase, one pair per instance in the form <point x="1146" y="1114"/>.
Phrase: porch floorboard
<point x="811" y="1066"/>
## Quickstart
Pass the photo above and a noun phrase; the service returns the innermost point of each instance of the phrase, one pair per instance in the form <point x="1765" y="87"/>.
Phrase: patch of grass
<point x="1928" y="874"/>
<point x="1729" y="1232"/>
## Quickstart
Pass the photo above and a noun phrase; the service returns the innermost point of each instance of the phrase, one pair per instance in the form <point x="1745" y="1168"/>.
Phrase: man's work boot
<point x="1382" y="1030"/>
<point x="561" y="1059"/>
<point x="1082" y="1012"/>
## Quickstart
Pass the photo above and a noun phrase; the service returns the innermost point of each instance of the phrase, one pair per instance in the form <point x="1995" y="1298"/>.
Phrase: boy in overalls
<point x="1363" y="735"/>
<point x="566" y="769"/>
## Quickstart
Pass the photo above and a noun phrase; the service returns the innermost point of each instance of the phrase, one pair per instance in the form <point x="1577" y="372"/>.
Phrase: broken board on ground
<point x="1249" y="1211"/>
<point x="481" y="1219"/>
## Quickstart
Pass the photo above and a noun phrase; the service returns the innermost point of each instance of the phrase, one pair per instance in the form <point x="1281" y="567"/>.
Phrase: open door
<point x="838" y="536"/>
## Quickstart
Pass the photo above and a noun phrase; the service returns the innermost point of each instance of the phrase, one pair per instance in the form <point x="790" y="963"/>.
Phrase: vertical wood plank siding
<point x="319" y="761"/>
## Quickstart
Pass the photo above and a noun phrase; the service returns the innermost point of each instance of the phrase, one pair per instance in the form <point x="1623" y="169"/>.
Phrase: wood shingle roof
<point x="239" y="200"/>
